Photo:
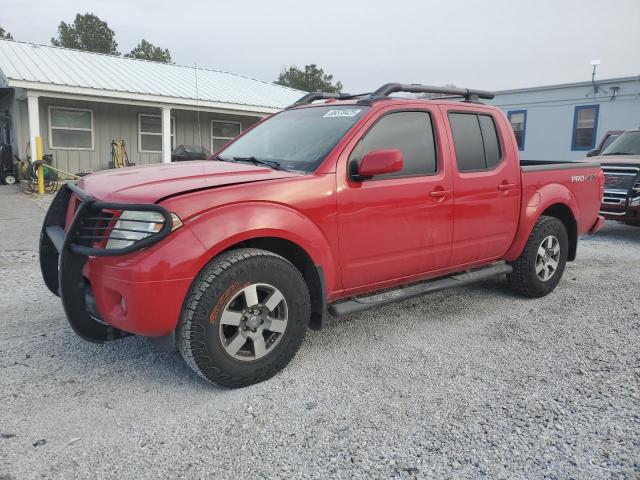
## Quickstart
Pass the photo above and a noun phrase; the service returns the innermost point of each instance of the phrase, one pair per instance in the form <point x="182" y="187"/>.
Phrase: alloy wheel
<point x="548" y="258"/>
<point x="253" y="322"/>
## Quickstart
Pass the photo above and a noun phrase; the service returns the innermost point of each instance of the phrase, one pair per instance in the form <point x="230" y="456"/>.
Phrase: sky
<point x="487" y="44"/>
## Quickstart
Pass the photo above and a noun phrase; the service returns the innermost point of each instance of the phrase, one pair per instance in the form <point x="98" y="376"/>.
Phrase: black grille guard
<point x="64" y="254"/>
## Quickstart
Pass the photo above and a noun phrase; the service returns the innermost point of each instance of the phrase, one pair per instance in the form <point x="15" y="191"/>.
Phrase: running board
<point x="364" y="303"/>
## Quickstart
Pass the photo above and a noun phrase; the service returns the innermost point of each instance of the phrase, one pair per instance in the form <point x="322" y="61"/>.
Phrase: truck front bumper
<point x="108" y="294"/>
<point x="621" y="213"/>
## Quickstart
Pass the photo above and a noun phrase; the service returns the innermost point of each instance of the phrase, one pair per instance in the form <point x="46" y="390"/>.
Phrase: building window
<point x="222" y="132"/>
<point x="70" y="128"/>
<point x="518" y="120"/>
<point x="150" y="133"/>
<point x="585" y="126"/>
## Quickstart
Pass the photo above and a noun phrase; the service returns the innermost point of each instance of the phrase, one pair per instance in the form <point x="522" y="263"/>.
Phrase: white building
<point x="78" y="102"/>
<point x="564" y="122"/>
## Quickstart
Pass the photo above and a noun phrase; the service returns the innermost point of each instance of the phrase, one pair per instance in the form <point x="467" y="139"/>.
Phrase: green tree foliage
<point x="148" y="51"/>
<point x="312" y="79"/>
<point x="87" y="32"/>
<point x="4" y="34"/>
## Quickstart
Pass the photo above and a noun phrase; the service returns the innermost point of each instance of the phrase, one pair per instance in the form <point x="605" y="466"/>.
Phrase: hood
<point x="150" y="183"/>
<point x="631" y="160"/>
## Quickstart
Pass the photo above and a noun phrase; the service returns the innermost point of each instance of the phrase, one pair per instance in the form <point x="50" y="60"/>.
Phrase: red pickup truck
<point x="337" y="204"/>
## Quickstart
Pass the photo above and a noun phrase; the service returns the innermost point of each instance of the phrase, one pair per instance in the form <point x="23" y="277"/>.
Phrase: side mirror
<point x="593" y="153"/>
<point x="380" y="162"/>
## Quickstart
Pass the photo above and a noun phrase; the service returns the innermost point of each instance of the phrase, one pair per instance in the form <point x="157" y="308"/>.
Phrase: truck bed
<point x="580" y="184"/>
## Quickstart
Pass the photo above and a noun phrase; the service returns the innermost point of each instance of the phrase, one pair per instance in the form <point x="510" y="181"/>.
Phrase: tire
<point x="217" y="317"/>
<point x="9" y="179"/>
<point x="530" y="268"/>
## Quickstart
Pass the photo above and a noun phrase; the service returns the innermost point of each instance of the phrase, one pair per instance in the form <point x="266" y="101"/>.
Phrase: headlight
<point x="133" y="226"/>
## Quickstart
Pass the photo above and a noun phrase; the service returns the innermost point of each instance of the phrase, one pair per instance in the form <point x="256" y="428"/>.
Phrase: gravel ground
<point x="466" y="383"/>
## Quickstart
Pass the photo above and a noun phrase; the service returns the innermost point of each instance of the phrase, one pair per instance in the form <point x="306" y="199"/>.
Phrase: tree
<point x="5" y="35"/>
<point x="148" y="51"/>
<point x="87" y="32"/>
<point x="312" y="79"/>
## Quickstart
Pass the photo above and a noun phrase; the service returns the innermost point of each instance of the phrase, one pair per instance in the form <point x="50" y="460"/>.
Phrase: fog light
<point x="123" y="305"/>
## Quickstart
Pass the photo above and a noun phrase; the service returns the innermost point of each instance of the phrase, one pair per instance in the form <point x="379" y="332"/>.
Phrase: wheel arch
<point x="313" y="274"/>
<point x="553" y="200"/>
<point x="563" y="213"/>
<point x="281" y="230"/>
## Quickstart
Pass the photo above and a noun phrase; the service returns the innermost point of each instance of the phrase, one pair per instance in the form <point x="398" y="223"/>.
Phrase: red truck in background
<point x="334" y="206"/>
<point x="609" y="137"/>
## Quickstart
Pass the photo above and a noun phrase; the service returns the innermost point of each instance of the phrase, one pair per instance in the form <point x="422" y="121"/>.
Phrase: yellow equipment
<point x="119" y="155"/>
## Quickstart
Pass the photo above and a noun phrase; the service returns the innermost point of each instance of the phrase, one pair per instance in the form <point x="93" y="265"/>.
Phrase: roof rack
<point x="387" y="89"/>
<point x="468" y="94"/>
<point x="313" y="96"/>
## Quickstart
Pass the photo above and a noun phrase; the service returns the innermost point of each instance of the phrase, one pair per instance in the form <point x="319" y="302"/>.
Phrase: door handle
<point x="439" y="194"/>
<point x="506" y="186"/>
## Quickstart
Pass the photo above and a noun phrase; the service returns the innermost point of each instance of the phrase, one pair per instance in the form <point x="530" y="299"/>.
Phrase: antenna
<point x="594" y="64"/>
<point x="195" y="73"/>
<point x="595" y="87"/>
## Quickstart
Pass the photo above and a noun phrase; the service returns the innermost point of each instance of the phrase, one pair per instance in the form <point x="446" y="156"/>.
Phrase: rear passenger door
<point x="396" y="225"/>
<point x="486" y="186"/>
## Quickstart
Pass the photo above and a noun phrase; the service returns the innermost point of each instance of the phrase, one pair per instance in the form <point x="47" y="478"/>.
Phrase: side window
<point x="409" y="132"/>
<point x="491" y="141"/>
<point x="608" y="141"/>
<point x="468" y="142"/>
<point x="476" y="141"/>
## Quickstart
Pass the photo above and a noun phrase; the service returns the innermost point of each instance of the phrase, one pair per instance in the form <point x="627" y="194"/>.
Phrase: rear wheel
<point x="245" y="317"/>
<point x="539" y="268"/>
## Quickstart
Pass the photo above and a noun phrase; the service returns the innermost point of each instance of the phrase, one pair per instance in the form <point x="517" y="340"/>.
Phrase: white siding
<point x="550" y="113"/>
<point x="113" y="121"/>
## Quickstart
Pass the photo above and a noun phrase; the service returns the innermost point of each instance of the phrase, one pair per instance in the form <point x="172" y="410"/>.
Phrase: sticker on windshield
<point x="343" y="112"/>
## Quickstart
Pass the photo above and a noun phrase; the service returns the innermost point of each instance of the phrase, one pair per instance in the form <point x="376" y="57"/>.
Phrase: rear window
<point x="476" y="141"/>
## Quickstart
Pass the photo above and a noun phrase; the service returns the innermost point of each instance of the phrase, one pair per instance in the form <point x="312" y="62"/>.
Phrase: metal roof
<point x="45" y="65"/>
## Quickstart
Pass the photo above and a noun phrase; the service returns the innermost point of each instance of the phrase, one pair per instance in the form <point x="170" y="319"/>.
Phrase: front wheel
<point x="538" y="269"/>
<point x="245" y="317"/>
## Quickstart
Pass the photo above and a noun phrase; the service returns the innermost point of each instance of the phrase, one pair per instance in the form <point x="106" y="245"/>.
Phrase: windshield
<point x="296" y="139"/>
<point x="626" y="144"/>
